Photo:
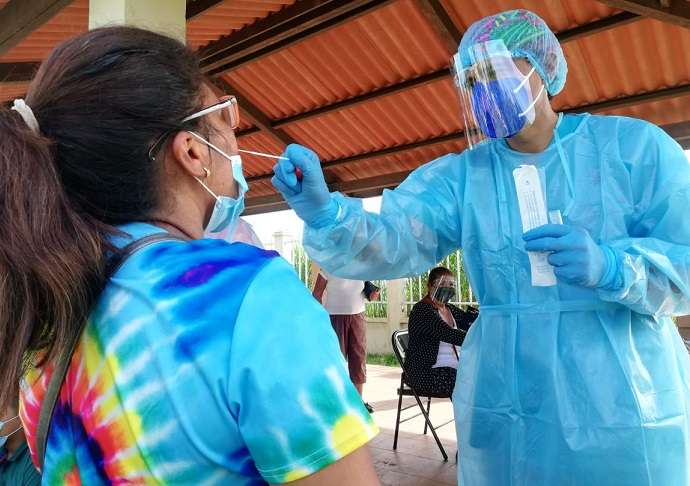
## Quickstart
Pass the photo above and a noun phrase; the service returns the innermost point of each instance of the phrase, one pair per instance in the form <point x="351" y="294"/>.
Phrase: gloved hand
<point x="309" y="197"/>
<point x="576" y="258"/>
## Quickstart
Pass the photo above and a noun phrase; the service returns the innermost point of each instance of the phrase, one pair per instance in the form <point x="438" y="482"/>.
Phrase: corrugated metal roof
<point x="635" y="58"/>
<point x="663" y="112"/>
<point x="227" y="17"/>
<point x="390" y="45"/>
<point x="70" y="21"/>
<point x="559" y="14"/>
<point x="10" y="91"/>
<point x="410" y="116"/>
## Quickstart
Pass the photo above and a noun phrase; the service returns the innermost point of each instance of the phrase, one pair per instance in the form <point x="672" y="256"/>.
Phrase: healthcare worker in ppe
<point x="573" y="374"/>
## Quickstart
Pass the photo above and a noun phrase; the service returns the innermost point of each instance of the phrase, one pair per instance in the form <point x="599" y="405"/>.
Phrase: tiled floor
<point x="418" y="461"/>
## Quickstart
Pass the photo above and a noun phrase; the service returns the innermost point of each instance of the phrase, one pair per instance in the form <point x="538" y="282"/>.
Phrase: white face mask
<point x="227" y="210"/>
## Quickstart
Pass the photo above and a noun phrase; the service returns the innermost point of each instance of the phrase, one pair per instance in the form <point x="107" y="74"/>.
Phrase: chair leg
<point x="397" y="420"/>
<point x="428" y="410"/>
<point x="431" y="426"/>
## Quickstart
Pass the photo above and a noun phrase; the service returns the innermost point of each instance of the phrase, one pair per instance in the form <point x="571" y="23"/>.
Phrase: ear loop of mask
<point x="251" y="152"/>
<point x="536" y="98"/>
<point x="242" y="182"/>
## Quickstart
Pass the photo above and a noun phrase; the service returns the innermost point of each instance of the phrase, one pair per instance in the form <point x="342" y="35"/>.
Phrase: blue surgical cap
<point x="524" y="34"/>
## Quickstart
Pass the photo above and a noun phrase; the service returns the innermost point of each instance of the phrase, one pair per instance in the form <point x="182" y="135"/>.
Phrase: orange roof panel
<point x="559" y="14"/>
<point x="228" y="17"/>
<point x="418" y="114"/>
<point x="70" y="21"/>
<point x="391" y="44"/>
<point x="636" y="58"/>
<point x="10" y="91"/>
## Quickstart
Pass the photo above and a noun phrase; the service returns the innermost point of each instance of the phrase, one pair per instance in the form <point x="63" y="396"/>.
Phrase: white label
<point x="533" y="214"/>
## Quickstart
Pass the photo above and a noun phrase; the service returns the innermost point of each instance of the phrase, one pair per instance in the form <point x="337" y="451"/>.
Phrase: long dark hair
<point x="101" y="99"/>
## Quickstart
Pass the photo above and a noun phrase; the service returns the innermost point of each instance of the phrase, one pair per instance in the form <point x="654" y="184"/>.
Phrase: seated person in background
<point x="16" y="468"/>
<point x="436" y="328"/>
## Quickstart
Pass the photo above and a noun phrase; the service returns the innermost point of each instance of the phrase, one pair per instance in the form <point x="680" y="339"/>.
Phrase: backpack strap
<point x="64" y="358"/>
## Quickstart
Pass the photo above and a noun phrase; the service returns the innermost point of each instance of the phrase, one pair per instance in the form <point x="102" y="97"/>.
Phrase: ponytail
<point x="74" y="165"/>
<point x="51" y="257"/>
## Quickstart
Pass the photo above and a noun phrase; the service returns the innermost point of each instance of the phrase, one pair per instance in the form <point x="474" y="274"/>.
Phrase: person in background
<point x="169" y="379"/>
<point x="344" y="300"/>
<point x="16" y="468"/>
<point x="436" y="329"/>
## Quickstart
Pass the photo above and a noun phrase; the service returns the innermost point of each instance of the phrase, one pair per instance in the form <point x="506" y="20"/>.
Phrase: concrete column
<point x="396" y="290"/>
<point x="163" y="16"/>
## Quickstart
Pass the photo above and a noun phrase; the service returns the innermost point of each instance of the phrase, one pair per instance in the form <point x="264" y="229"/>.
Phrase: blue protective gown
<point x="559" y="385"/>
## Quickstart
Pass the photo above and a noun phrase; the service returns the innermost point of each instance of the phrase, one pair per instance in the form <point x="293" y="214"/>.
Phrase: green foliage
<point x="382" y="359"/>
<point x="302" y="264"/>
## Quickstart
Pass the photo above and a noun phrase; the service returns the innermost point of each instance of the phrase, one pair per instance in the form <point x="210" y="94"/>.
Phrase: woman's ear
<point x="190" y="155"/>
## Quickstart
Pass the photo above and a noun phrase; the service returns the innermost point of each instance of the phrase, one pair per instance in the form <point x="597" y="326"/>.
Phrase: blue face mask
<point x="504" y="106"/>
<point x="498" y="108"/>
<point x="3" y="438"/>
<point x="227" y="210"/>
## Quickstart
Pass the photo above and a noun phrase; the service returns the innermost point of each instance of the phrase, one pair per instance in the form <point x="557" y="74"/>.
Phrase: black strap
<point x="64" y="358"/>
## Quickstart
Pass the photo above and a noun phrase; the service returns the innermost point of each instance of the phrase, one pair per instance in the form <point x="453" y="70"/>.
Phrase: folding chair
<point x="401" y="340"/>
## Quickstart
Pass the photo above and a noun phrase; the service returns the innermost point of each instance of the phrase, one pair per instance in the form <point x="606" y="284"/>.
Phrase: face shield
<point x="443" y="289"/>
<point x="495" y="96"/>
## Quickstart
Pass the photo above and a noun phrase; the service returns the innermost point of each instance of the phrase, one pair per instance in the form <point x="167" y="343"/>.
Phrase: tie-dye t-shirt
<point x="202" y="363"/>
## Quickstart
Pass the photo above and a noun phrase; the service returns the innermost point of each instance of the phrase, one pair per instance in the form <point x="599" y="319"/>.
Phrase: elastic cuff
<point x="327" y="216"/>
<point x="611" y="279"/>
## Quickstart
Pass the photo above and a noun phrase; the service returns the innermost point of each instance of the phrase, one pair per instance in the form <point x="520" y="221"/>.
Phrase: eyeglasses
<point x="229" y="112"/>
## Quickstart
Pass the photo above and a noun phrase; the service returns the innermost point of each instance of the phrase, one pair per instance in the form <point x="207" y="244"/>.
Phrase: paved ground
<point x="418" y="461"/>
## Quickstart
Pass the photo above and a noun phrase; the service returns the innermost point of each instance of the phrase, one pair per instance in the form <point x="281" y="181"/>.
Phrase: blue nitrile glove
<point x="309" y="197"/>
<point x="576" y="258"/>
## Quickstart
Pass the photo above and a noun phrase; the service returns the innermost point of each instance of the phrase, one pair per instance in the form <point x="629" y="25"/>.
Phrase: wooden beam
<point x="255" y="114"/>
<point x="11" y="72"/>
<point x="293" y="24"/>
<point x="672" y="11"/>
<point x="198" y="7"/>
<point x="564" y="37"/>
<point x="21" y="17"/>
<point x="437" y="16"/>
<point x="680" y="132"/>
<point x="617" y="20"/>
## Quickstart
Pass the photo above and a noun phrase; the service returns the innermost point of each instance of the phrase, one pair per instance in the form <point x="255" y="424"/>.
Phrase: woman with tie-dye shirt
<point x="200" y="362"/>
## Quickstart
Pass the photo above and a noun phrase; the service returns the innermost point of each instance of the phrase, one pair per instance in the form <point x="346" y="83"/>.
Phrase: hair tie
<point x="26" y="113"/>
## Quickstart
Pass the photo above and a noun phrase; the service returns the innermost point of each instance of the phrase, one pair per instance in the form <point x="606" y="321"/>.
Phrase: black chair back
<point x="401" y="341"/>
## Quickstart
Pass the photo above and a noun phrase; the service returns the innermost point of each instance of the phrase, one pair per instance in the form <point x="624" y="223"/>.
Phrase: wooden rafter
<point x="437" y="16"/>
<point x="293" y="24"/>
<point x="198" y="7"/>
<point x="21" y="17"/>
<point x="673" y="11"/>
